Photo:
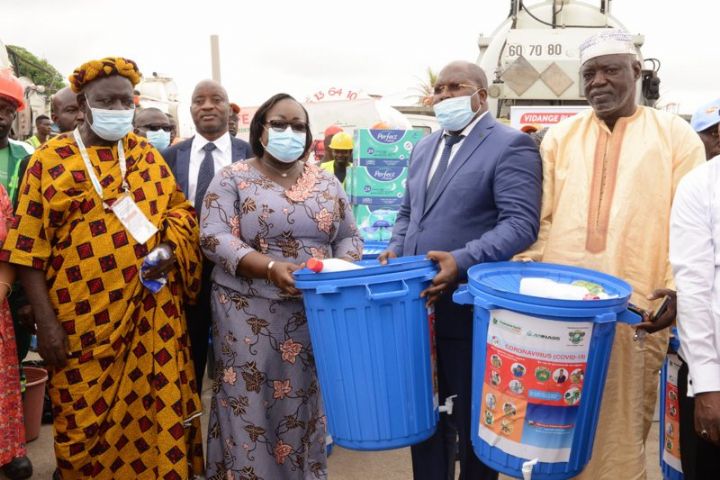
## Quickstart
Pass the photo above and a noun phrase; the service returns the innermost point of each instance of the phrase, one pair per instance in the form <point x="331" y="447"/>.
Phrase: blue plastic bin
<point x="371" y="250"/>
<point x="370" y="334"/>
<point x="670" y="448"/>
<point x="539" y="367"/>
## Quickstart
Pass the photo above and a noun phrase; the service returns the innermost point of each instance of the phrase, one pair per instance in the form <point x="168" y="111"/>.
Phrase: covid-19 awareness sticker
<point x="671" y="452"/>
<point x="533" y="384"/>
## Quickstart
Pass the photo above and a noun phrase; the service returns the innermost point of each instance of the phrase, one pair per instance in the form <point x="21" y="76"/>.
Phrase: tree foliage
<point x="36" y="69"/>
<point x="425" y="87"/>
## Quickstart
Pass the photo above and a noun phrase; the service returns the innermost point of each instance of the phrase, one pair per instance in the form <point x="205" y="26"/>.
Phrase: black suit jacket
<point x="178" y="158"/>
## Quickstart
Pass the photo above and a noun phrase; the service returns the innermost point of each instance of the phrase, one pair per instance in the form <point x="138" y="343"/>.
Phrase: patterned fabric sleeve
<point x="220" y="236"/>
<point x="347" y="242"/>
<point x="181" y="231"/>
<point x="27" y="241"/>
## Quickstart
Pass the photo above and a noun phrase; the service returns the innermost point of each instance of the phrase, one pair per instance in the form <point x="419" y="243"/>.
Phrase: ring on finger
<point x="704" y="434"/>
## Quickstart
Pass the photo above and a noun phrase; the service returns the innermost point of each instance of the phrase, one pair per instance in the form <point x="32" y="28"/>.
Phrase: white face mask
<point x="286" y="146"/>
<point x="112" y="125"/>
<point x="159" y="139"/>
<point x="454" y="113"/>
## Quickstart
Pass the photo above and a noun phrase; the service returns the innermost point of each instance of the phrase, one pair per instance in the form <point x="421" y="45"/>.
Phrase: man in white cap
<point x="609" y="177"/>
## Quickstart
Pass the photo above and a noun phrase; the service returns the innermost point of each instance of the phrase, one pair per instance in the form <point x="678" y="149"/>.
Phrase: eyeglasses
<point x="155" y="128"/>
<point x="452" y="88"/>
<point x="281" y="126"/>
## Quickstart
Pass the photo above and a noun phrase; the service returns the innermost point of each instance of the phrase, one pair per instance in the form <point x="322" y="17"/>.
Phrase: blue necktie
<point x="205" y="176"/>
<point x="450" y="140"/>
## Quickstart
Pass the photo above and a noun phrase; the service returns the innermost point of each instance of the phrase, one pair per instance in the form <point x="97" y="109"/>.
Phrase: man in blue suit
<point x="473" y="196"/>
<point x="194" y="163"/>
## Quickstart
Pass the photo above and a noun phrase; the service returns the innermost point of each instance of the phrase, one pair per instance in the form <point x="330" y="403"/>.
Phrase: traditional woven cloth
<point x="126" y="404"/>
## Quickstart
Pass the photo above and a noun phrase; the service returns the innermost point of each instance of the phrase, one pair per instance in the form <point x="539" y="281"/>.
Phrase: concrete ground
<point x="343" y="464"/>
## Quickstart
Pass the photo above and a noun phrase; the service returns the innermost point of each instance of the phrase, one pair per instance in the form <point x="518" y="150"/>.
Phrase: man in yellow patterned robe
<point x="122" y="383"/>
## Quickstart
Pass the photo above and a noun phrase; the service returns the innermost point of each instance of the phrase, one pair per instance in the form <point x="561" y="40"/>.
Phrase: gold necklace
<point x="285" y="173"/>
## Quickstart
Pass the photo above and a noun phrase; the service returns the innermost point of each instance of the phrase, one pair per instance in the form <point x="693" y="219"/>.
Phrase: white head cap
<point x="609" y="42"/>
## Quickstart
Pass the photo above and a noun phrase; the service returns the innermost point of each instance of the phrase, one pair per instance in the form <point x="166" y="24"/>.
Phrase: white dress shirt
<point x="455" y="148"/>
<point x="695" y="258"/>
<point x="222" y="156"/>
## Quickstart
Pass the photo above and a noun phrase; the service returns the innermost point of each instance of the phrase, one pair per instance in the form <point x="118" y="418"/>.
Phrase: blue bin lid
<point x="371" y="268"/>
<point x="502" y="279"/>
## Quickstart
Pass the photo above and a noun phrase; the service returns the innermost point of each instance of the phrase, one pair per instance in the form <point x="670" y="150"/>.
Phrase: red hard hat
<point x="11" y="88"/>
<point x="332" y="130"/>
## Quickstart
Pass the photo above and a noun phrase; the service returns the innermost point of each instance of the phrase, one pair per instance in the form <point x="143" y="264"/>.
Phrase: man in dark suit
<point x="194" y="163"/>
<point x="473" y="196"/>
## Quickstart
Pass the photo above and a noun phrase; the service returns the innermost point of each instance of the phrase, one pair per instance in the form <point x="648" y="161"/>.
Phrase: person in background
<point x="327" y="151"/>
<point x="539" y="135"/>
<point x="174" y="139"/>
<point x="706" y="122"/>
<point x="609" y="179"/>
<point x="694" y="250"/>
<point x="194" y="162"/>
<point x="65" y="111"/>
<point x="342" y="149"/>
<point x="121" y="379"/>
<point x="14" y="157"/>
<point x="14" y="462"/>
<point x="262" y="219"/>
<point x="153" y="124"/>
<point x="234" y="119"/>
<point x="473" y="196"/>
<point x="43" y="129"/>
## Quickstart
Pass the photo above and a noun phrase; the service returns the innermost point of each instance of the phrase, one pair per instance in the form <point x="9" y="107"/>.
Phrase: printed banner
<point x="671" y="452"/>
<point x="534" y="374"/>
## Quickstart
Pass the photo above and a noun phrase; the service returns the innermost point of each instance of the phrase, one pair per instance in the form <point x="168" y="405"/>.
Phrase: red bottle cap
<point x="315" y="265"/>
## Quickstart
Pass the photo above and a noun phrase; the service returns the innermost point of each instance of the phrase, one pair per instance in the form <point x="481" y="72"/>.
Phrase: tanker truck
<point x="533" y="60"/>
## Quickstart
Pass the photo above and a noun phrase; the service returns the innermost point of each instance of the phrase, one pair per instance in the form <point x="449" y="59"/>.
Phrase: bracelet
<point x="269" y="267"/>
<point x="9" y="287"/>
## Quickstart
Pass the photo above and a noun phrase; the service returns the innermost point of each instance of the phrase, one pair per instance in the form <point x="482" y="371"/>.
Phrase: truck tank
<point x="533" y="57"/>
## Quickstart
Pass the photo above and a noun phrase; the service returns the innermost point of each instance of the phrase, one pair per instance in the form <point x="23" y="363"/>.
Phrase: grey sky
<point x="378" y="46"/>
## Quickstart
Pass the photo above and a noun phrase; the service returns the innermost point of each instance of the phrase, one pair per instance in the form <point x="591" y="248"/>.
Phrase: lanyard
<point x="91" y="170"/>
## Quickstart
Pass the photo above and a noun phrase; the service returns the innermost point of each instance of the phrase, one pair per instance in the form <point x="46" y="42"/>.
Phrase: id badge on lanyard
<point x="124" y="208"/>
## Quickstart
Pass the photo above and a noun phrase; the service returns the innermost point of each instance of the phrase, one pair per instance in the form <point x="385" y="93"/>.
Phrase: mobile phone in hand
<point x="662" y="308"/>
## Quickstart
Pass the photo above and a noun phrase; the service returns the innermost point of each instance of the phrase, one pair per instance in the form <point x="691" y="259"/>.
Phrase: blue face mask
<point x="286" y="146"/>
<point x="454" y="113"/>
<point x="111" y="125"/>
<point x="159" y="139"/>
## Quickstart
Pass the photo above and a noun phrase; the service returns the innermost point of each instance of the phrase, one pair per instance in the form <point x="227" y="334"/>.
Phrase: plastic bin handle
<point x="324" y="289"/>
<point x="462" y="296"/>
<point x="629" y="317"/>
<point x="386" y="295"/>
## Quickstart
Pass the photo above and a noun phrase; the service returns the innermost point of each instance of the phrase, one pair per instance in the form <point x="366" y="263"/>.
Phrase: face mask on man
<point x="111" y="125"/>
<point x="454" y="113"/>
<point x="285" y="146"/>
<point x="159" y="139"/>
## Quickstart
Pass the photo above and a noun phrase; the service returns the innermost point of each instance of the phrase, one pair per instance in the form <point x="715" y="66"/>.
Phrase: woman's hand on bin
<point x="385" y="256"/>
<point x="281" y="275"/>
<point x="446" y="278"/>
<point x="665" y="316"/>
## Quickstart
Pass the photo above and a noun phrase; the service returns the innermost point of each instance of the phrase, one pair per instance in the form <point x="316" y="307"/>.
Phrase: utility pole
<point x="215" y="57"/>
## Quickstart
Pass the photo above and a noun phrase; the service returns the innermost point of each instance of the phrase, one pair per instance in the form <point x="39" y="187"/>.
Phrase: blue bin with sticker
<point x="371" y="250"/>
<point x="370" y="334"/>
<point x="670" y="447"/>
<point x="539" y="367"/>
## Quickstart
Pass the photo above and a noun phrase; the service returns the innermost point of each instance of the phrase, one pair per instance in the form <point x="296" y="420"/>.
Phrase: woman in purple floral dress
<point x="261" y="219"/>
